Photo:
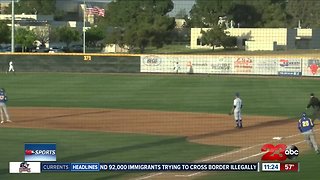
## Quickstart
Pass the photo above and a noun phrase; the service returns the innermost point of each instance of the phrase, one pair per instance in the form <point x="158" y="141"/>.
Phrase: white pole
<point x="84" y="26"/>
<point x="12" y="27"/>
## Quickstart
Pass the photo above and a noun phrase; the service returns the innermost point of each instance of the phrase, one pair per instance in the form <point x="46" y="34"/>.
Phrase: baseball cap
<point x="304" y="114"/>
<point x="311" y="94"/>
<point x="237" y="94"/>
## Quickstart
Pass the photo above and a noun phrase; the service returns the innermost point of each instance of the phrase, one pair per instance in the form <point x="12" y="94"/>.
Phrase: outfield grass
<point x="75" y="146"/>
<point x="195" y="93"/>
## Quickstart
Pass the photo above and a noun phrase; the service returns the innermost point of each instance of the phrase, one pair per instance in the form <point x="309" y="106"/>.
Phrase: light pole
<point x="84" y="26"/>
<point x="12" y="27"/>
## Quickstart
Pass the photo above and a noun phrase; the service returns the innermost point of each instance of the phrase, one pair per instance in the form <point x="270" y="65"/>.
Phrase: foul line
<point x="226" y="154"/>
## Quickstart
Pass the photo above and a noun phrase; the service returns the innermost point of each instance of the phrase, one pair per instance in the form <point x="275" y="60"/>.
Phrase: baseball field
<point x="154" y="118"/>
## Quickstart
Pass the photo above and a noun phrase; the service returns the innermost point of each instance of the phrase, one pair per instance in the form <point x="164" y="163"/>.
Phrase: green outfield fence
<point x="90" y="63"/>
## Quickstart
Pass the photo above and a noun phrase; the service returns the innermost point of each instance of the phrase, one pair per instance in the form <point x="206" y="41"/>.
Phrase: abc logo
<point x="291" y="152"/>
<point x="280" y="152"/>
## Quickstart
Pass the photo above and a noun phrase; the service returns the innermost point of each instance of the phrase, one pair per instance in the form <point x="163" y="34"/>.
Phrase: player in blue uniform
<point x="3" y="107"/>
<point x="305" y="126"/>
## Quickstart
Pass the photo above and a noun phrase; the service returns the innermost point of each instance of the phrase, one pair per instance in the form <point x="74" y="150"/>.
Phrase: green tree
<point x="206" y="13"/>
<point x="305" y="11"/>
<point x="93" y="35"/>
<point x="5" y="32"/>
<point x="25" y="38"/>
<point x="68" y="35"/>
<point x="217" y="37"/>
<point x="248" y="13"/>
<point x="44" y="7"/>
<point x="137" y="24"/>
<point x="53" y="34"/>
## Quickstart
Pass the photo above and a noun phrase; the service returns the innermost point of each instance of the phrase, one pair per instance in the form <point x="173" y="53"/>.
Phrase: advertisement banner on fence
<point x="175" y="64"/>
<point x="311" y="67"/>
<point x="212" y="64"/>
<point x="265" y="66"/>
<point x="243" y="65"/>
<point x="221" y="65"/>
<point x="290" y="67"/>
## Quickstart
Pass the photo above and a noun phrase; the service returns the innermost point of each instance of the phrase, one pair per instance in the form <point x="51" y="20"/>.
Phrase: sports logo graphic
<point x="284" y="62"/>
<point x="24" y="167"/>
<point x="280" y="152"/>
<point x="40" y="152"/>
<point x="313" y="65"/>
<point x="152" y="60"/>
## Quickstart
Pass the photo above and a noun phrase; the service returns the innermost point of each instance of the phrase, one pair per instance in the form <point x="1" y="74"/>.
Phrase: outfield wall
<point x="251" y="65"/>
<point x="202" y="64"/>
<point x="91" y="63"/>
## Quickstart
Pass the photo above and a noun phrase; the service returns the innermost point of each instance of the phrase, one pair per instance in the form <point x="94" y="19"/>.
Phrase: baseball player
<point x="305" y="126"/>
<point x="3" y="107"/>
<point x="176" y="67"/>
<point x="11" y="67"/>
<point x="236" y="110"/>
<point x="315" y="103"/>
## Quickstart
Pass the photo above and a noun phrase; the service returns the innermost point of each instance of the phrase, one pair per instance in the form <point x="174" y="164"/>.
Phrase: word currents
<point x="90" y="167"/>
<point x="280" y="167"/>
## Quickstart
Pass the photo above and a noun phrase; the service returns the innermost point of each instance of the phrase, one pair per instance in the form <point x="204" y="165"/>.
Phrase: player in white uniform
<point x="176" y="67"/>
<point x="11" y="67"/>
<point x="3" y="107"/>
<point x="236" y="110"/>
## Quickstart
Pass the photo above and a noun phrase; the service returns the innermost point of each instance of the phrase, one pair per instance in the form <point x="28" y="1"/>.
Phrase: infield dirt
<point x="204" y="128"/>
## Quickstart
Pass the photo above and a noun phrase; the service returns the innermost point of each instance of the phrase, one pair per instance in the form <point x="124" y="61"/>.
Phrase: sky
<point x="178" y="4"/>
<point x="181" y="4"/>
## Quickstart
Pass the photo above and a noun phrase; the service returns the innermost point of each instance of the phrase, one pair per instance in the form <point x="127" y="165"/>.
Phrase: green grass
<point x="194" y="93"/>
<point x="75" y="146"/>
<point x="309" y="169"/>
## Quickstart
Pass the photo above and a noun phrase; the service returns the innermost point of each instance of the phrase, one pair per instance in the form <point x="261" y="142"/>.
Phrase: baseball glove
<point x="230" y="113"/>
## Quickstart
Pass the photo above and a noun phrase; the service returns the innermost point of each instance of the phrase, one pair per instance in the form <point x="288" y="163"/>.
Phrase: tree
<point x="305" y="11"/>
<point x="217" y="37"/>
<point x="68" y="35"/>
<point x="53" y="34"/>
<point x="4" y="32"/>
<point x="137" y="24"/>
<point x="206" y="13"/>
<point x="93" y="35"/>
<point x="44" y="7"/>
<point x="25" y="38"/>
<point x="42" y="34"/>
<point x="248" y="13"/>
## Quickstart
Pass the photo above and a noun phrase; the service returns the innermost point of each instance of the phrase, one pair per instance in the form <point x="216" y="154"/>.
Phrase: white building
<point x="266" y="39"/>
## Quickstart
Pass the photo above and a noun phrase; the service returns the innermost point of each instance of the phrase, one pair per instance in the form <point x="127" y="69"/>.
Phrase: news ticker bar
<point x="39" y="167"/>
<point x="90" y="167"/>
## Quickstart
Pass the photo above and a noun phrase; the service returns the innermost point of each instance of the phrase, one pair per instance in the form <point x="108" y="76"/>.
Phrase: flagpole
<point x="12" y="27"/>
<point x="84" y="26"/>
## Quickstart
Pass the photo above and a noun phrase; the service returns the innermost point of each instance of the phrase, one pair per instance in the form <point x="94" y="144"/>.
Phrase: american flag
<point x="95" y="11"/>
